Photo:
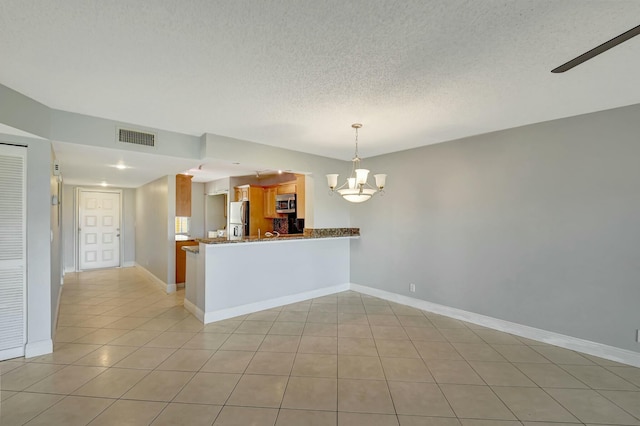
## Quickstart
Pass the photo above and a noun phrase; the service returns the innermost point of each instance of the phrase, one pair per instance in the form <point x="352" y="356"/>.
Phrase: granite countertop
<point x="309" y="233"/>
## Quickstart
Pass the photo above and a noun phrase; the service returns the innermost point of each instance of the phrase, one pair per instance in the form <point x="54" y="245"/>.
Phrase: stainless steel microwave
<point x="286" y="203"/>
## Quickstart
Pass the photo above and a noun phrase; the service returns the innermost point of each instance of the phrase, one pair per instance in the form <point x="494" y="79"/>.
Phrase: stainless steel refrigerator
<point x="238" y="220"/>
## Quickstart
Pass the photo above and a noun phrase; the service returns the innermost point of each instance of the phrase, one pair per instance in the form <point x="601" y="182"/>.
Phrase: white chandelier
<point x="356" y="189"/>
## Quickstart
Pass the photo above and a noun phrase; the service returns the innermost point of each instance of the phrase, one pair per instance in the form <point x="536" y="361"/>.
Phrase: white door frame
<point x="76" y="221"/>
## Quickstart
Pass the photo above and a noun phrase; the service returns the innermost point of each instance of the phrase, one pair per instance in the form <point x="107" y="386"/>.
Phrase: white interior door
<point x="99" y="229"/>
<point x="12" y="251"/>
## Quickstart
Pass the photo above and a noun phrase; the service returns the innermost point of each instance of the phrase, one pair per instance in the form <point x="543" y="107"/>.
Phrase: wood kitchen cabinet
<point x="300" y="197"/>
<point x="287" y="188"/>
<point x="181" y="259"/>
<point x="270" y="194"/>
<point x="183" y="195"/>
<point x="295" y="187"/>
<point x="255" y="196"/>
<point x="241" y="193"/>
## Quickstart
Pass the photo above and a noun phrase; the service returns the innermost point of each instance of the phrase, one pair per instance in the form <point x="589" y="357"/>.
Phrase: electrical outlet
<point x="412" y="288"/>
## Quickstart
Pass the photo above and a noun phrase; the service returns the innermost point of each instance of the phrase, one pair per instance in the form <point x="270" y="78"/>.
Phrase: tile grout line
<point x="374" y="311"/>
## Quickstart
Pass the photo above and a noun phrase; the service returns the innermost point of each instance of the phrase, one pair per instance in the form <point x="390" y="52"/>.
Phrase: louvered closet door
<point x="12" y="251"/>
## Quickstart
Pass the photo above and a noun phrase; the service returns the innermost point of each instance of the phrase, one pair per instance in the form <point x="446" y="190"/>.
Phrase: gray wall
<point x="155" y="237"/>
<point x="68" y="225"/>
<point x="96" y="131"/>
<point x="536" y="225"/>
<point x="215" y="207"/>
<point x="196" y="226"/>
<point x="56" y="243"/>
<point x="127" y="231"/>
<point x="40" y="284"/>
<point x="21" y="112"/>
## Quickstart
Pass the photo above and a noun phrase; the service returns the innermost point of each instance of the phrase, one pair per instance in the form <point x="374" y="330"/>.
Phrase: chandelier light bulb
<point x="332" y="180"/>
<point x="361" y="176"/>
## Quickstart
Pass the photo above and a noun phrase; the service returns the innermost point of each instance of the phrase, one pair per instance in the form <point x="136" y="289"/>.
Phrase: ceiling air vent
<point x="136" y="137"/>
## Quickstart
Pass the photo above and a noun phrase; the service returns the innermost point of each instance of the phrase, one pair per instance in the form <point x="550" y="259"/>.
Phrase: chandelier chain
<point x="356" y="157"/>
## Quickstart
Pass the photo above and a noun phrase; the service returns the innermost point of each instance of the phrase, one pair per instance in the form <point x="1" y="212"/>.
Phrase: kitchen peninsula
<point x="230" y="278"/>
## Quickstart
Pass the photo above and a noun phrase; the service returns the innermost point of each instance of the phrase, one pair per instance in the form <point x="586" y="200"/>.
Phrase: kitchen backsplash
<point x="281" y="226"/>
<point x="289" y="225"/>
<point x="296" y="226"/>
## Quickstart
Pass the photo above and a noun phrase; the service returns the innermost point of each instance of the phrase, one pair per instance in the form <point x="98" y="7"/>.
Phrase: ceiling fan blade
<point x="598" y="50"/>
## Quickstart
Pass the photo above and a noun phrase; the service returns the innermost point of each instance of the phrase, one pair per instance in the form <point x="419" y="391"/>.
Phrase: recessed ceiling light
<point x="104" y="184"/>
<point x="119" y="166"/>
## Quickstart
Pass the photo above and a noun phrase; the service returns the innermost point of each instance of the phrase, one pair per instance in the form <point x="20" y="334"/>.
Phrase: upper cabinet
<point x="241" y="193"/>
<point x="183" y="195"/>
<point x="270" y="193"/>
<point x="218" y="186"/>
<point x="287" y="188"/>
<point x="293" y="187"/>
<point x="300" y="196"/>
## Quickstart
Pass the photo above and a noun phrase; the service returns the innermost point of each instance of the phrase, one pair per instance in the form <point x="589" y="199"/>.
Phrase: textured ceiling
<point x="297" y="74"/>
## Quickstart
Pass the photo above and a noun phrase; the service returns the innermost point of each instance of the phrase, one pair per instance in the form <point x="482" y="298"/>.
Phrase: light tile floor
<point x="126" y="353"/>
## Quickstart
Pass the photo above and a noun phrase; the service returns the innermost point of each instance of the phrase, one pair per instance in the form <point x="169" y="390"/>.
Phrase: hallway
<point x="127" y="353"/>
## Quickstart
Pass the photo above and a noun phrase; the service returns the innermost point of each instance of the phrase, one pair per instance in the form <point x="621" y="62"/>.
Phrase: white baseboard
<point x="68" y="269"/>
<point x="55" y="317"/>
<point x="41" y="347"/>
<point x="197" y="312"/>
<point x="573" y="343"/>
<point x="11" y="353"/>
<point x="168" y="288"/>
<point x="128" y="264"/>
<point x="271" y="303"/>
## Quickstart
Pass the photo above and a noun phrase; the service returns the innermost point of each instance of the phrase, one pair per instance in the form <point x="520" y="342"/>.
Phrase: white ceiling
<point x="297" y="74"/>
<point x="90" y="165"/>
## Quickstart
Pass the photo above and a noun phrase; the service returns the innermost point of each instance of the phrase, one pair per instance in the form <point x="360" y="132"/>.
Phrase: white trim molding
<point x="11" y="353"/>
<point x="270" y="303"/>
<point x="41" y="347"/>
<point x="55" y="317"/>
<point x="573" y="343"/>
<point x="168" y="288"/>
<point x="195" y="311"/>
